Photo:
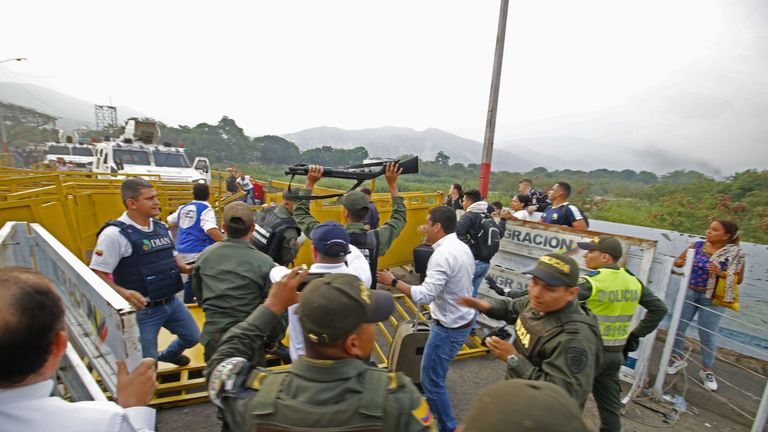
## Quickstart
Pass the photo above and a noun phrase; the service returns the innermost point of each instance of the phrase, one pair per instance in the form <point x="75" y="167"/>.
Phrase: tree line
<point x="681" y="200"/>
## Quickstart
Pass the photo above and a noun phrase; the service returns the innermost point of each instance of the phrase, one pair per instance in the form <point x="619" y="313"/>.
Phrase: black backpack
<point x="268" y="232"/>
<point x="488" y="239"/>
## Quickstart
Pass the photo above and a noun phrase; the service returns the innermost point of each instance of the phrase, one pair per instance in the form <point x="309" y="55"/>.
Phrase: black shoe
<point x="181" y="360"/>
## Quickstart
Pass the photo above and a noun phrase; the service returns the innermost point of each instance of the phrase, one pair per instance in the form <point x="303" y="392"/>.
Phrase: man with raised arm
<point x="331" y="387"/>
<point x="373" y="243"/>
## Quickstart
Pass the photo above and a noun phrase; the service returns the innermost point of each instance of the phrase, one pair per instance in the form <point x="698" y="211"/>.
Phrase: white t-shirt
<point x="112" y="246"/>
<point x="356" y="265"/>
<point x="522" y="215"/>
<point x="245" y="184"/>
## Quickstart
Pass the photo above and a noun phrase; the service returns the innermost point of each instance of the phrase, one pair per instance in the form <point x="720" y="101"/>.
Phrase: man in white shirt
<point x="449" y="277"/>
<point x="246" y="186"/>
<point x="139" y="253"/>
<point x="33" y="339"/>
<point x="331" y="253"/>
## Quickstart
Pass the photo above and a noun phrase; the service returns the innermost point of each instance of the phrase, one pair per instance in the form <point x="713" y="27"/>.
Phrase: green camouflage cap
<point x="556" y="270"/>
<point x="524" y="405"/>
<point x="334" y="306"/>
<point x="604" y="244"/>
<point x="290" y="195"/>
<point x="355" y="200"/>
<point x="238" y="210"/>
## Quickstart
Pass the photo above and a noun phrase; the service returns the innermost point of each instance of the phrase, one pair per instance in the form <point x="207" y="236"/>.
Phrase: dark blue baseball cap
<point x="330" y="239"/>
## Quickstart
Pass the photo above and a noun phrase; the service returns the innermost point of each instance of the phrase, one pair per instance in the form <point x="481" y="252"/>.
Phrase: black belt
<point x="159" y="302"/>
<point x="463" y="326"/>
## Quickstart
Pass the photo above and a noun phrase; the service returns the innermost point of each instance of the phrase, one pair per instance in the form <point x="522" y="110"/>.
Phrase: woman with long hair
<point x="717" y="257"/>
<point x="455" y="197"/>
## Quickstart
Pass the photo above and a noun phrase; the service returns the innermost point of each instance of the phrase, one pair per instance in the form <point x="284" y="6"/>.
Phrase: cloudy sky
<point x="682" y="75"/>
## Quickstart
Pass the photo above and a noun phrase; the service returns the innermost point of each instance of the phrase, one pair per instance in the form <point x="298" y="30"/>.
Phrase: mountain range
<point x="580" y="142"/>
<point x="73" y="113"/>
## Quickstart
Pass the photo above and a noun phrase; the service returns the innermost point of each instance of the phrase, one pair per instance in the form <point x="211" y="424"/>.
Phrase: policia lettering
<point x="613" y="307"/>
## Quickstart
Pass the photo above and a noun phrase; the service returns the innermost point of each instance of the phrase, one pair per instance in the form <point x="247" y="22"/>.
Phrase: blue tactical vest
<point x="151" y="268"/>
<point x="192" y="239"/>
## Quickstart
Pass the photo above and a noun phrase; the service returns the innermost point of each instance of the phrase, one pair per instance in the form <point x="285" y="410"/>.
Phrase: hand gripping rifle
<point x="359" y="172"/>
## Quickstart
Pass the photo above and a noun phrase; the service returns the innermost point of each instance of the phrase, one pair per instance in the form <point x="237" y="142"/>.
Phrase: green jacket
<point x="655" y="307"/>
<point x="569" y="357"/>
<point x="230" y="279"/>
<point x="387" y="232"/>
<point x="288" y="248"/>
<point x="318" y="387"/>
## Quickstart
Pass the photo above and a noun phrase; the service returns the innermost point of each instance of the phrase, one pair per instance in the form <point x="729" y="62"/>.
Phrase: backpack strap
<point x="264" y="401"/>
<point x="374" y="391"/>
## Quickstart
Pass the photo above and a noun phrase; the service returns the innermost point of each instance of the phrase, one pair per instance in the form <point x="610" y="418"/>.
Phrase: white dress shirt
<point x="356" y="264"/>
<point x="449" y="277"/>
<point x="31" y="408"/>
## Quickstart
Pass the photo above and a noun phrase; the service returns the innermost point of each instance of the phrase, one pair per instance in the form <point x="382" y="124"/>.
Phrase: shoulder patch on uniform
<point x="98" y="252"/>
<point x="223" y="377"/>
<point x="576" y="358"/>
<point x="593" y="273"/>
<point x="422" y="414"/>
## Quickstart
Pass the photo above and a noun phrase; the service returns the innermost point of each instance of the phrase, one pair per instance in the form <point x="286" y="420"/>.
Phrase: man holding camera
<point x="332" y="387"/>
<point x="613" y="293"/>
<point x="556" y="339"/>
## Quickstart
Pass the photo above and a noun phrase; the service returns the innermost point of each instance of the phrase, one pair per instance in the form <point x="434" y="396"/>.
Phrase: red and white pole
<point x="493" y="103"/>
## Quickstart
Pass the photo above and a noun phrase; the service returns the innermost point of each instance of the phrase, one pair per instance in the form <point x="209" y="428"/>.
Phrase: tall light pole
<point x="3" y="140"/>
<point x="493" y="103"/>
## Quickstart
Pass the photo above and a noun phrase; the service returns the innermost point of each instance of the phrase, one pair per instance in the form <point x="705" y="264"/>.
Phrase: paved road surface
<point x="468" y="376"/>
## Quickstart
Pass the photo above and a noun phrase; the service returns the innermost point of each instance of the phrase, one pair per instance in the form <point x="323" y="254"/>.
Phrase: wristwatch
<point x="394" y="282"/>
<point x="512" y="360"/>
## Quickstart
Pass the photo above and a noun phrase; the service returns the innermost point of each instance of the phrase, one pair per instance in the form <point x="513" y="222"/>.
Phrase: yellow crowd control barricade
<point x="69" y="208"/>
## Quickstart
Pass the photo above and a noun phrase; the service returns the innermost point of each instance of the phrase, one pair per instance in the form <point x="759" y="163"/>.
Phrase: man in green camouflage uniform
<point x="331" y="387"/>
<point x="556" y="340"/>
<point x="356" y="205"/>
<point x="231" y="277"/>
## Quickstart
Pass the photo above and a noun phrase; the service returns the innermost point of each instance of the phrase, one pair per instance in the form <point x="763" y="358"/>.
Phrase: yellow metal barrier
<point x="73" y="207"/>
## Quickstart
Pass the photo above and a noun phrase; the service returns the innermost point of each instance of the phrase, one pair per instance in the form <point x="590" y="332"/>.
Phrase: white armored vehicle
<point x="138" y="151"/>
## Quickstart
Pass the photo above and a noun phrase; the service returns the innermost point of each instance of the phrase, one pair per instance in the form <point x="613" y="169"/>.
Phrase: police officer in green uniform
<point x="331" y="388"/>
<point x="556" y="340"/>
<point x="231" y="277"/>
<point x="613" y="293"/>
<point x="356" y="206"/>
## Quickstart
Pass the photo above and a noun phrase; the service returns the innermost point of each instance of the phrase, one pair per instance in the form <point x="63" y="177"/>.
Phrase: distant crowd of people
<point x="572" y="332"/>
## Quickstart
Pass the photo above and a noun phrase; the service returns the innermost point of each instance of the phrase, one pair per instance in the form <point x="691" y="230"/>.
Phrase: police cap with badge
<point x="605" y="244"/>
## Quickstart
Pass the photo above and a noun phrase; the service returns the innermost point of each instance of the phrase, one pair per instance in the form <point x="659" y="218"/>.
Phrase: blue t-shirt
<point x="564" y="214"/>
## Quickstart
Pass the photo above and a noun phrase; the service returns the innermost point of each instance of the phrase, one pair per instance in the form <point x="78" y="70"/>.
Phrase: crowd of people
<point x="572" y="333"/>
